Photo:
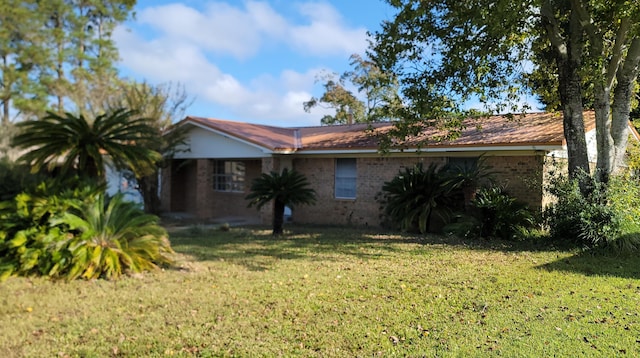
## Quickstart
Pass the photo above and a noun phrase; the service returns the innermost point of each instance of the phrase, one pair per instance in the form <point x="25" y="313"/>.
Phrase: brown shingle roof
<point x="274" y="138"/>
<point x="533" y="129"/>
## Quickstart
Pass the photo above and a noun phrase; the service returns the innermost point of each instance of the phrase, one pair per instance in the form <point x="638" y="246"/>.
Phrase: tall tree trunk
<point x="604" y="140"/>
<point x="568" y="47"/>
<point x="278" y="217"/>
<point x="148" y="187"/>
<point x="622" y="95"/>
<point x="570" y="83"/>
<point x="5" y="112"/>
<point x="7" y="90"/>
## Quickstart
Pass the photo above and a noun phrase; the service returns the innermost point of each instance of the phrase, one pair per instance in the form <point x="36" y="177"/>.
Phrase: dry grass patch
<point x="335" y="292"/>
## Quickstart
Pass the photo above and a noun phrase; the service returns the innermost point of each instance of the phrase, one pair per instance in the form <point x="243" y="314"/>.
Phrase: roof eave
<point x="226" y="134"/>
<point x="547" y="147"/>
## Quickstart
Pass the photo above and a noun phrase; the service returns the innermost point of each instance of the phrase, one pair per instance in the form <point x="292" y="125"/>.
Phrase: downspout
<point x="297" y="140"/>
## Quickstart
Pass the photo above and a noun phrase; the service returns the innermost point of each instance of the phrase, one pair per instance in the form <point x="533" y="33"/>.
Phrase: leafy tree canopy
<point x="447" y="52"/>
<point x="163" y="105"/>
<point x="57" y="54"/>
<point x="363" y="95"/>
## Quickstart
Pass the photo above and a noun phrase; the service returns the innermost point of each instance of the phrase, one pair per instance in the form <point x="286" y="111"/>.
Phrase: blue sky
<point x="254" y="61"/>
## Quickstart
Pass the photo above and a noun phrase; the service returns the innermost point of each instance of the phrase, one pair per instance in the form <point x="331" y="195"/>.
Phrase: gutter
<point x="439" y="150"/>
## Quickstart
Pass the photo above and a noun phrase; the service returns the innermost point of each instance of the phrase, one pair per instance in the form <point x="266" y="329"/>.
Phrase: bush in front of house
<point x="624" y="198"/>
<point x="502" y="215"/>
<point x="27" y="241"/>
<point x="580" y="219"/>
<point x="288" y="188"/>
<point x="411" y="199"/>
<point x="494" y="214"/>
<point x="16" y="178"/>
<point x="469" y="176"/>
<point x="607" y="217"/>
<point x="77" y="233"/>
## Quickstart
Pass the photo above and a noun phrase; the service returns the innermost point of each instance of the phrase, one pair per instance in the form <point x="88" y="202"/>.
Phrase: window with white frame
<point x="346" y="174"/>
<point x="229" y="176"/>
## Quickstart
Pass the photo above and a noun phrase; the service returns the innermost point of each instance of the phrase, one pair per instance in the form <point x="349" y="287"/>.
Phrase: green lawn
<point x="335" y="292"/>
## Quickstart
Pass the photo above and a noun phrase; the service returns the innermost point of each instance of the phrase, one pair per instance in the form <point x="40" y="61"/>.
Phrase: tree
<point x="162" y="104"/>
<point x="20" y="52"/>
<point x="447" y="52"/>
<point x="80" y="50"/>
<point x="72" y="142"/>
<point x="378" y="89"/>
<point x="288" y="188"/>
<point x="58" y="50"/>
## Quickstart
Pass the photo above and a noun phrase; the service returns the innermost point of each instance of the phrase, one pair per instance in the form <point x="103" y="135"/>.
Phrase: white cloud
<point x="220" y="28"/>
<point x="158" y="60"/>
<point x="185" y="45"/>
<point x="240" y="32"/>
<point x="326" y="34"/>
<point x="278" y="98"/>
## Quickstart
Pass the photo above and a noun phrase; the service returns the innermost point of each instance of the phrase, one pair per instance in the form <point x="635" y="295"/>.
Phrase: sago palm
<point x="116" y="138"/>
<point x="288" y="188"/>
<point x="415" y="194"/>
<point x="112" y="238"/>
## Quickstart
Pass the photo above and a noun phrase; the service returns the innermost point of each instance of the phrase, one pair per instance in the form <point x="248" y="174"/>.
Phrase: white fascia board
<point x="227" y="135"/>
<point x="439" y="150"/>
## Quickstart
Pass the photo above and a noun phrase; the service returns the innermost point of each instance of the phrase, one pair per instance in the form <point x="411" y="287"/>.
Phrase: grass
<point x="335" y="293"/>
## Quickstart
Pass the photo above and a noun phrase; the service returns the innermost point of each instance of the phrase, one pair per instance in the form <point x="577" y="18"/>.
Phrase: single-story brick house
<point x="343" y="164"/>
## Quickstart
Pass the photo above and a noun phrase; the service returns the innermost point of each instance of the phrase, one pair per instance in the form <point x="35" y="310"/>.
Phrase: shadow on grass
<point x="597" y="264"/>
<point x="256" y="249"/>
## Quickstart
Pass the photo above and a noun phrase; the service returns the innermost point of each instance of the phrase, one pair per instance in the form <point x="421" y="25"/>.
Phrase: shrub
<point x="501" y="215"/>
<point x="465" y="226"/>
<point x="111" y="238"/>
<point x="411" y="198"/>
<point x="288" y="188"/>
<point x="16" y="178"/>
<point x="75" y="233"/>
<point x="468" y="175"/>
<point x="608" y="216"/>
<point x="578" y="218"/>
<point x="28" y="241"/>
<point x="624" y="198"/>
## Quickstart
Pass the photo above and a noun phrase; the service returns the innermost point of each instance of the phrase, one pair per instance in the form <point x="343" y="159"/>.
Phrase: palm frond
<point x="288" y="188"/>
<point x="115" y="138"/>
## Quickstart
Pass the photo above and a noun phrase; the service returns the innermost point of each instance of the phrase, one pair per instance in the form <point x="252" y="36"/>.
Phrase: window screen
<point x="346" y="175"/>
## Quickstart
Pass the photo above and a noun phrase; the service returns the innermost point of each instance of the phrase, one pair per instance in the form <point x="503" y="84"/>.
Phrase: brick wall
<point x="520" y="175"/>
<point x="364" y="210"/>
<point x="227" y="204"/>
<point x="189" y="188"/>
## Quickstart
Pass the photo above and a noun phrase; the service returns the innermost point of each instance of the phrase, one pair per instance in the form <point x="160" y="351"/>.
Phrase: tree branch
<point x="550" y="23"/>
<point x="617" y="52"/>
<point x="631" y="66"/>
<point x="585" y="19"/>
